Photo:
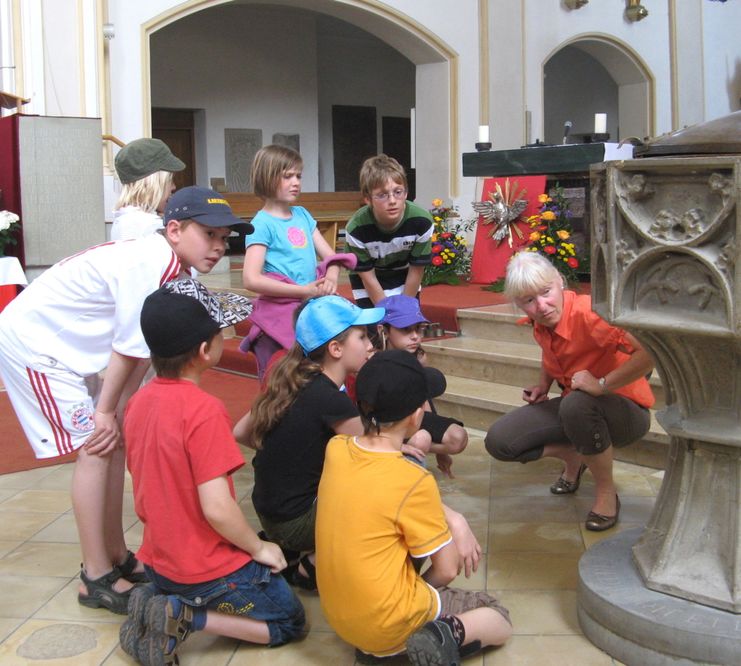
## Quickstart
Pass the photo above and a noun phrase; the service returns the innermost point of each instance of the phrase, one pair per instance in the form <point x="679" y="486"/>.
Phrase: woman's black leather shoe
<point x="564" y="487"/>
<point x="598" y="523"/>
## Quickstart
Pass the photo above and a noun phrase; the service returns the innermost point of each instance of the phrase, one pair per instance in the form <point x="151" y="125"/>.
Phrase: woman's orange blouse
<point x="582" y="340"/>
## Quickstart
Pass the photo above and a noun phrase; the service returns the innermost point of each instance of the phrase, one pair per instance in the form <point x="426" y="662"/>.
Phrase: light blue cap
<point x="325" y="317"/>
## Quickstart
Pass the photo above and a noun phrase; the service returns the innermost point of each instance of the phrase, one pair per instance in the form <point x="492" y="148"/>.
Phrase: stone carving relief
<point x="672" y="227"/>
<point x="726" y="259"/>
<point x="625" y="252"/>
<point x="639" y="188"/>
<point x="674" y="209"/>
<point x="678" y="287"/>
<point x="599" y="231"/>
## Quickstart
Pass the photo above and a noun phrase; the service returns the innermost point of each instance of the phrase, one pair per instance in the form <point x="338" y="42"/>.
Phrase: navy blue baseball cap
<point x="204" y="206"/>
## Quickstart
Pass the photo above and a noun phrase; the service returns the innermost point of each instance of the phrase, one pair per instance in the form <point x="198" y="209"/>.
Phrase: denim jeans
<point x="252" y="591"/>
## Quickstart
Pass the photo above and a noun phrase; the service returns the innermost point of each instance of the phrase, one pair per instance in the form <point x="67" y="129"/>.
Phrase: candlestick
<point x="483" y="134"/>
<point x="600" y="123"/>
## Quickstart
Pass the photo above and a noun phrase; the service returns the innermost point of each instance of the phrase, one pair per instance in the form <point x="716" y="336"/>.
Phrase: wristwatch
<point x="602" y="381"/>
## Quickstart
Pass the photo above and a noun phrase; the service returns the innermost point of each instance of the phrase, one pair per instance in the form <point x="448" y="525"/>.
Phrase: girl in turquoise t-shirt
<point x="286" y="239"/>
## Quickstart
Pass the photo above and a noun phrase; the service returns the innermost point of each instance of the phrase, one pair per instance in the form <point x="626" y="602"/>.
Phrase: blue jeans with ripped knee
<point x="252" y="591"/>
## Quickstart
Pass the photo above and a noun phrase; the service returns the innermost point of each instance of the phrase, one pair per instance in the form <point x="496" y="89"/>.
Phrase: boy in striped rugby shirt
<point x="390" y="236"/>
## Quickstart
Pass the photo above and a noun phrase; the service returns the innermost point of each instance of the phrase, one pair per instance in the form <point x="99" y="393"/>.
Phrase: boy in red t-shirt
<point x="209" y="568"/>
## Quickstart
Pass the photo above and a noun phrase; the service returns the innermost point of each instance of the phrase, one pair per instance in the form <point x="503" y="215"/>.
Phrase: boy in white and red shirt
<point x="78" y="318"/>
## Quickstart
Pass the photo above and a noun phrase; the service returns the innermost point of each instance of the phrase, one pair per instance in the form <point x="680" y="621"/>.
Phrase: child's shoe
<point x="133" y="629"/>
<point x="433" y="645"/>
<point x="366" y="659"/>
<point x="127" y="569"/>
<point x="101" y="594"/>
<point x="168" y="623"/>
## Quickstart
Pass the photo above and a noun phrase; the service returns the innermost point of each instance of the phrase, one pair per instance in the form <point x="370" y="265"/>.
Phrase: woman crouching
<point x="601" y="371"/>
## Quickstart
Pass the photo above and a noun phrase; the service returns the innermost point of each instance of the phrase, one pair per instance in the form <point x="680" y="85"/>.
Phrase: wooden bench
<point x="331" y="210"/>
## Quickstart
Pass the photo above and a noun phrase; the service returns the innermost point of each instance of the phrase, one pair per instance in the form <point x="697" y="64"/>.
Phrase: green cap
<point x="142" y="158"/>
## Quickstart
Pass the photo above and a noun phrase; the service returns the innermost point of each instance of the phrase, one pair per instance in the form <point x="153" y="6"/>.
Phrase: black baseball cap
<point x="392" y="384"/>
<point x="204" y="206"/>
<point x="183" y="313"/>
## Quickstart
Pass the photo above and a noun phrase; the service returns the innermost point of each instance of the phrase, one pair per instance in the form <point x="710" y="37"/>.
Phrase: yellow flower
<point x="563" y="234"/>
<point x="548" y="215"/>
<point x="437" y="218"/>
<point x="437" y="203"/>
<point x="549" y="239"/>
<point x="544" y="198"/>
<point x="535" y="236"/>
<point x="533" y="220"/>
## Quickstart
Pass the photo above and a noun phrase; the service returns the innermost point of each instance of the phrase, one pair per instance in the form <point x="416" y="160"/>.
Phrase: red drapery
<point x="489" y="259"/>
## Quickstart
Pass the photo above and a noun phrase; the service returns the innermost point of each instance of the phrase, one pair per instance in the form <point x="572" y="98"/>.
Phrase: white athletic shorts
<point x="54" y="405"/>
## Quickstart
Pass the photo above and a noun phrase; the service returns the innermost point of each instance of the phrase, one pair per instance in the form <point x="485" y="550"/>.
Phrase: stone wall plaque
<point x="240" y="146"/>
<point x="288" y="140"/>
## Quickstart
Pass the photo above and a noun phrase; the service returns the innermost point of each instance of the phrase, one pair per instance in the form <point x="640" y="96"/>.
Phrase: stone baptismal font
<point x="666" y="251"/>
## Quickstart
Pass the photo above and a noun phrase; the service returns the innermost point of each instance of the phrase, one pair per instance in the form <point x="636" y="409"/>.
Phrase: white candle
<point x="600" y="123"/>
<point x="483" y="134"/>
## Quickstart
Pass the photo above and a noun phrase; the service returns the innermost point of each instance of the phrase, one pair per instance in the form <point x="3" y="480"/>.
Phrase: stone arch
<point x="436" y="70"/>
<point x="633" y="81"/>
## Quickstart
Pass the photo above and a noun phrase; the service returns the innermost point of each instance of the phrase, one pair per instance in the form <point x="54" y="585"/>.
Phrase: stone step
<point x="494" y="322"/>
<point x="479" y="403"/>
<point x="502" y="361"/>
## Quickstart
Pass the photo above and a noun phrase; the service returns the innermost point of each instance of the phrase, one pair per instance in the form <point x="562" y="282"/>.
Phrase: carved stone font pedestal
<point x="665" y="266"/>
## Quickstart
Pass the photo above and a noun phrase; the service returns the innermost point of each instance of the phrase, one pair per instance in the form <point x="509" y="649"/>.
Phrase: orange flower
<point x="544" y="198"/>
<point x="437" y="203"/>
<point x="548" y="215"/>
<point x="563" y="234"/>
<point x="535" y="236"/>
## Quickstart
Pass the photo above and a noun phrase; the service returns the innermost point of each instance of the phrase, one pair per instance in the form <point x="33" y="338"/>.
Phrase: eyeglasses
<point x="398" y="193"/>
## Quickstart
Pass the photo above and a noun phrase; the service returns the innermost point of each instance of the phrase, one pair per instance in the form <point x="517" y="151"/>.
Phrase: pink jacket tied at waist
<point x="273" y="315"/>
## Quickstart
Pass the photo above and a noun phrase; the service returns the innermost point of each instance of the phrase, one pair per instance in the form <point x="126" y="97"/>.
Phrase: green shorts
<point x="294" y="534"/>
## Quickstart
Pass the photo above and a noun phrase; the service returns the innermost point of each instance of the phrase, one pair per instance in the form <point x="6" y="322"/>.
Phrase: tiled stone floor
<point x="532" y="542"/>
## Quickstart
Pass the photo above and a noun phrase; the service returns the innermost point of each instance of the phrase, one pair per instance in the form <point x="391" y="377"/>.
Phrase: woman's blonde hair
<point x="146" y="192"/>
<point x="268" y="167"/>
<point x="377" y="170"/>
<point x="528" y="273"/>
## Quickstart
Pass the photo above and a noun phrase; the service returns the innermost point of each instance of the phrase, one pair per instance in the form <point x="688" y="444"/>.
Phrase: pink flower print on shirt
<point x="296" y="237"/>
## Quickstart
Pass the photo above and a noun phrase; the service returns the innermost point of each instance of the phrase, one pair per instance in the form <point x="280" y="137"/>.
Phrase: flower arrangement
<point x="451" y="258"/>
<point x="551" y="232"/>
<point x="8" y="225"/>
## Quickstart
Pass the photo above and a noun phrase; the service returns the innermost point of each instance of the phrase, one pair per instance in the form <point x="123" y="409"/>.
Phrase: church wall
<point x="229" y="62"/>
<point x="357" y="69"/>
<point x="721" y="24"/>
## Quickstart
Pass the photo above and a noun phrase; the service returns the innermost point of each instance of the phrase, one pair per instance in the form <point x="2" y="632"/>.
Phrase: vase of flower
<point x="451" y="258"/>
<point x="8" y="225"/>
<point x="551" y="234"/>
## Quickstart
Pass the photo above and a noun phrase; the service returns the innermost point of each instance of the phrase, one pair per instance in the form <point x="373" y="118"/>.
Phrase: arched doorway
<point x="433" y="64"/>
<point x="597" y="74"/>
